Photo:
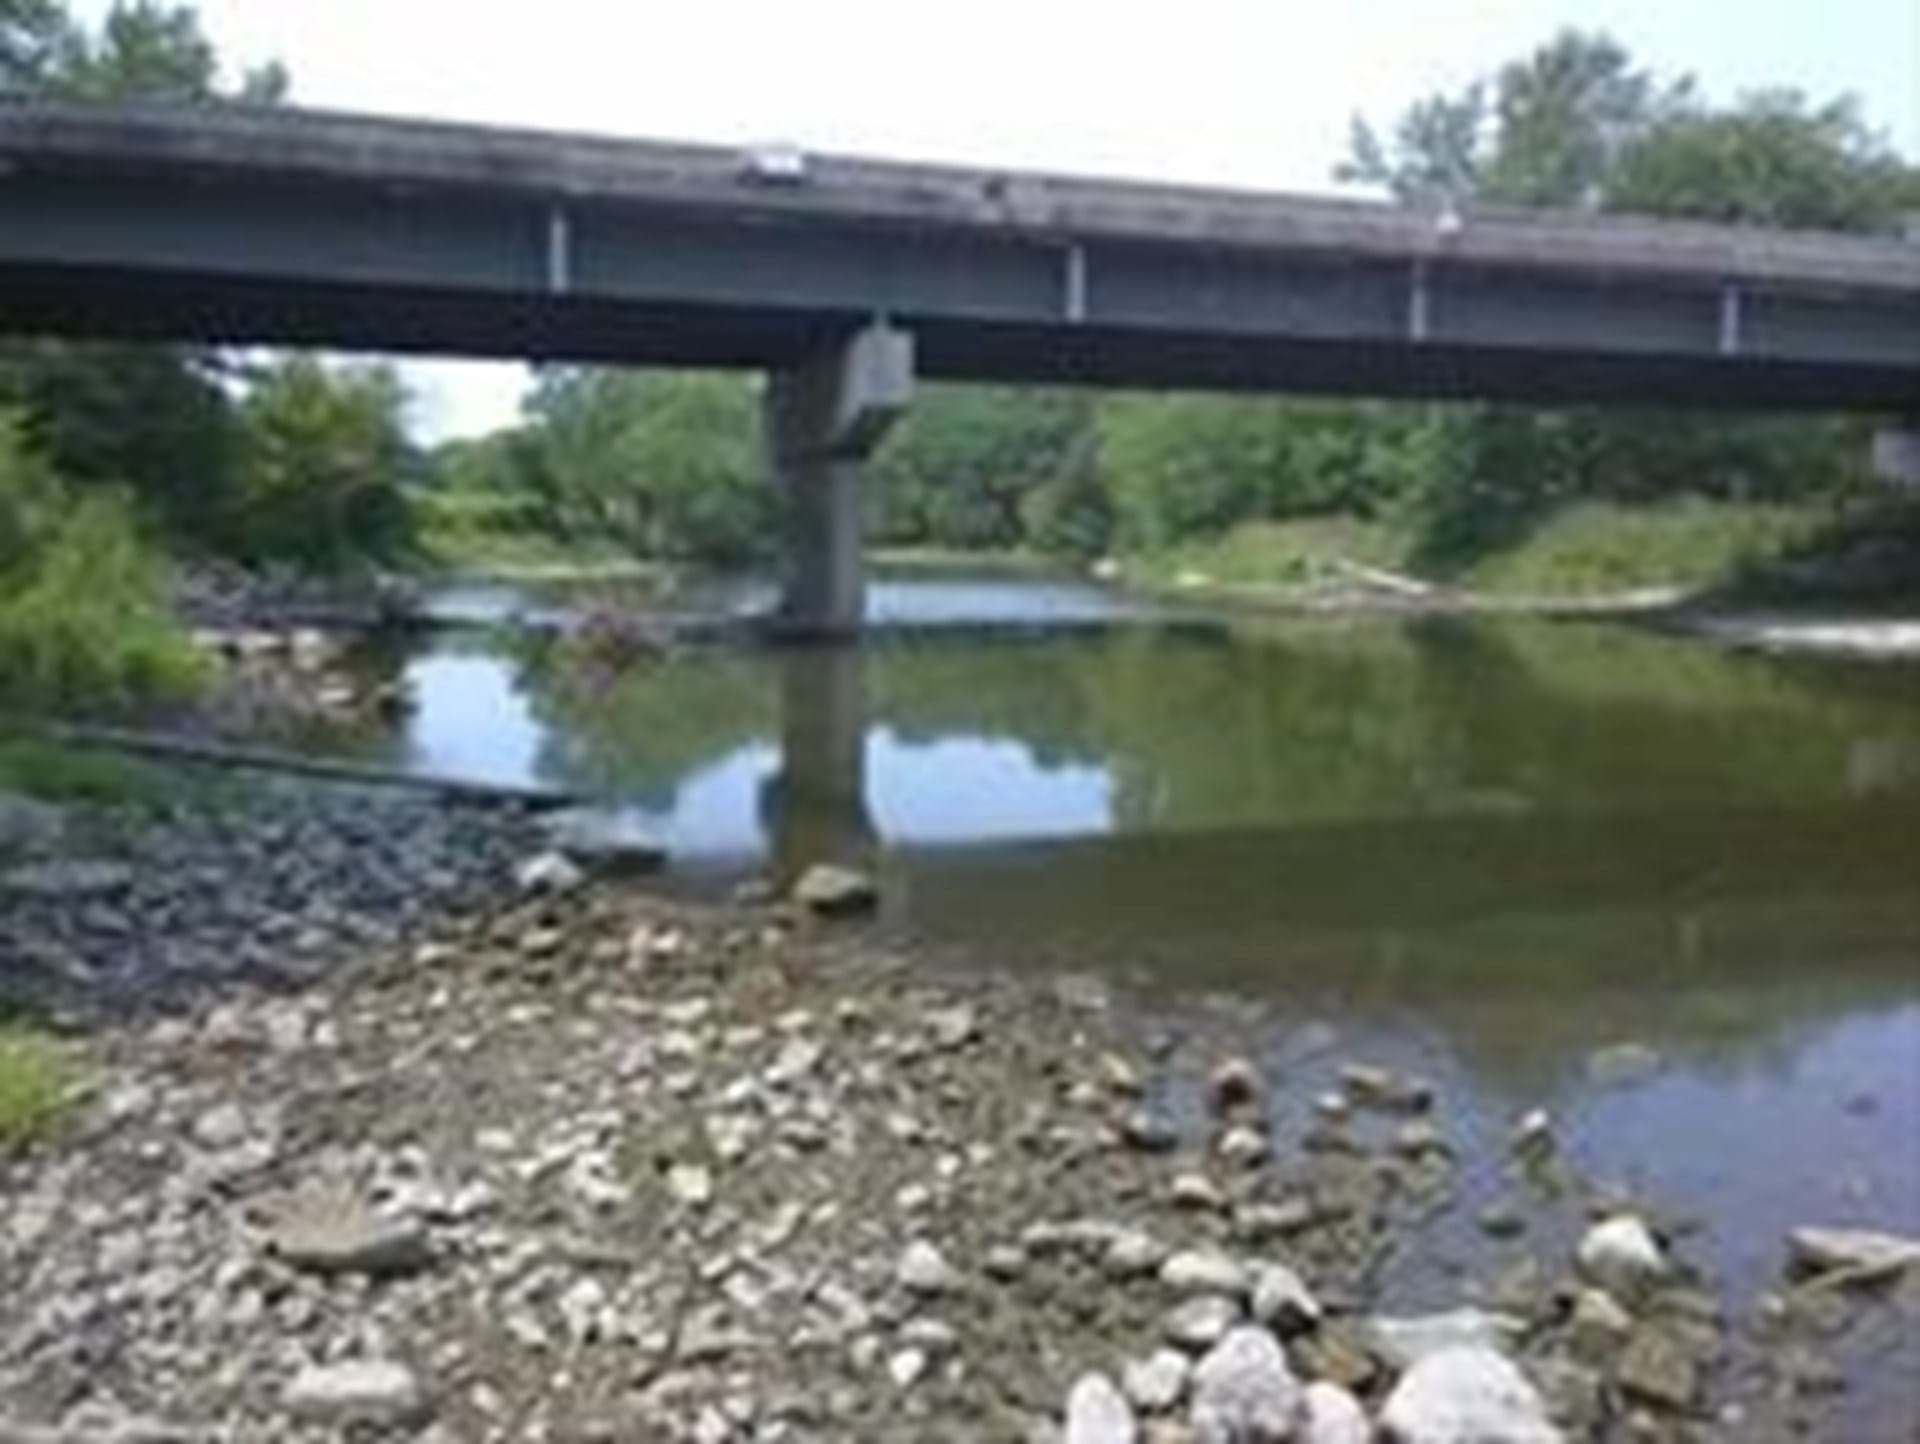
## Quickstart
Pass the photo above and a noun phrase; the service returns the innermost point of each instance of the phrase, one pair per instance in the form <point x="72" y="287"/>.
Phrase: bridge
<point x="845" y="279"/>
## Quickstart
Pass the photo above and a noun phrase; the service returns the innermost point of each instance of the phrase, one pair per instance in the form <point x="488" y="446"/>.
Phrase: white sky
<point x="1243" y="92"/>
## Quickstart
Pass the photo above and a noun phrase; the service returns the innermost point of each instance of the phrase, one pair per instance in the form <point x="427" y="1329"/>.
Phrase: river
<point x="1479" y="850"/>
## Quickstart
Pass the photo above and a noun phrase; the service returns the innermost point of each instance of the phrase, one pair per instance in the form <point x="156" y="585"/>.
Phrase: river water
<point x="1482" y="851"/>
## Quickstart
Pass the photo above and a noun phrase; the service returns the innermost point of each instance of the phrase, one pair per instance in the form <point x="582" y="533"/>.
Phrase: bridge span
<point x="846" y="278"/>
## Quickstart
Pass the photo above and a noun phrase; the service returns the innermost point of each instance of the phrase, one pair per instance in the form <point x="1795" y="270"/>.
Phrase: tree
<point x="1775" y="159"/>
<point x="325" y="458"/>
<point x="32" y="34"/>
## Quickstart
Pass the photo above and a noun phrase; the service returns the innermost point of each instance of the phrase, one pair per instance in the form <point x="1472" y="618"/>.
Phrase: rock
<point x="1501" y="1220"/>
<point x="27" y="825"/>
<point x="922" y="1270"/>
<point x="906" y="1366"/>
<point x="1598" y="1326"/>
<point x="1621" y="1063"/>
<point x="1257" y="1221"/>
<point x="1656" y="1367"/>
<point x="375" y="1392"/>
<point x="338" y="1235"/>
<point x="1243" y="1391"/>
<point x="1196" y="1191"/>
<point x="1204" y="1271"/>
<point x="1335" y="1352"/>
<point x="1466" y="1395"/>
<point x="1401" y="1343"/>
<point x="1378" y="1088"/>
<point x="1533" y="1134"/>
<point x="1004" y="1261"/>
<point x="68" y="879"/>
<point x="1622" y="1256"/>
<point x="1826" y="1250"/>
<point x="1282" y="1300"/>
<point x="1131" y="1253"/>
<point x="1148" y="1131"/>
<point x="1120" y="1076"/>
<point x="549" y="872"/>
<point x="1242" y="1146"/>
<point x="221" y="1126"/>
<point x="1330" y="1415"/>
<point x="1201" y="1322"/>
<point x="1156" y="1384"/>
<point x="1419" y="1137"/>
<point x="691" y="1184"/>
<point x="1098" y="1413"/>
<point x="608" y="843"/>
<point x="953" y="1027"/>
<point x="835" y="891"/>
<point x="1233" y="1083"/>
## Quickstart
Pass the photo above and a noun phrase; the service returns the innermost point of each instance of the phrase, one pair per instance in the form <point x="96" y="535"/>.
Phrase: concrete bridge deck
<point x="282" y="225"/>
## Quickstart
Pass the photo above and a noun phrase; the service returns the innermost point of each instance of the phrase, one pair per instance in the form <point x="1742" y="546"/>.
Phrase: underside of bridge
<point x="846" y="278"/>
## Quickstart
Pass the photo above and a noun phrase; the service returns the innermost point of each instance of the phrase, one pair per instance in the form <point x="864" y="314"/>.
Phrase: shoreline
<point x="727" y="1171"/>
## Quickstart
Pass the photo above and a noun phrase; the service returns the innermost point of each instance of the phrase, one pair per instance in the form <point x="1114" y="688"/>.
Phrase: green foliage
<point x="35" y="767"/>
<point x="970" y="464"/>
<point x="36" y="1086"/>
<point x="31" y="34"/>
<point x="1773" y="160"/>
<point x="325" y="455"/>
<point x="661" y="464"/>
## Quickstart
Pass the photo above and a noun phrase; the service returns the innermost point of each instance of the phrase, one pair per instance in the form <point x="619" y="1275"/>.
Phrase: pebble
<point x="906" y="1367"/>
<point x="1330" y="1415"/>
<point x="1233" y="1082"/>
<point x="1147" y="1131"/>
<point x="691" y="1184"/>
<point x="923" y="1270"/>
<point x="1243" y="1147"/>
<point x="1196" y="1191"/>
<point x="1282" y="1300"/>
<point x="1131" y="1252"/>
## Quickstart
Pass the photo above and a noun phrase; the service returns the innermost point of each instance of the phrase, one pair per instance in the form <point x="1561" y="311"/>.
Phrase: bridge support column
<point x="823" y="420"/>
<point x="1896" y="454"/>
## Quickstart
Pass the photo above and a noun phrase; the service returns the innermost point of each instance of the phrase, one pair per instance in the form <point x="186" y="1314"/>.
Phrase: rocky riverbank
<point x="585" y="1164"/>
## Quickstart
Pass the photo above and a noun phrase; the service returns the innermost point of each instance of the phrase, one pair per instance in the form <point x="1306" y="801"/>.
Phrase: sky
<point x="1256" y="93"/>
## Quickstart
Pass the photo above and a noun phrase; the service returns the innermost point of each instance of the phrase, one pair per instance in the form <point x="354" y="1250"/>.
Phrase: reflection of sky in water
<point x="958" y="789"/>
<point x="470" y="720"/>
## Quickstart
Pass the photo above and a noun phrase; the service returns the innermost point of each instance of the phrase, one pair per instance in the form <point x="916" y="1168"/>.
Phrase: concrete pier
<point x="1896" y="454"/>
<point x="823" y="420"/>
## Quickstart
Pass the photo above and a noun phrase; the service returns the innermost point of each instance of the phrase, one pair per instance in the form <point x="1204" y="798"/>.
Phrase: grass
<point x="1585" y="551"/>
<point x="36" y="1086"/>
<point x="48" y="771"/>
<point x="1689" y="543"/>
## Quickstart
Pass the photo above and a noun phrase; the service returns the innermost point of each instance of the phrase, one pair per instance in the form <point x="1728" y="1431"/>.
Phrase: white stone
<point x="1098" y="1413"/>
<point x="923" y="1270"/>
<point x="1466" y="1396"/>
<point x="906" y="1367"/>
<point x="1282" y="1300"/>
<point x="221" y="1126"/>
<point x="1621" y="1256"/>
<point x="691" y="1184"/>
<point x="1201" y="1322"/>
<point x="1824" y="1250"/>
<point x="1330" y="1415"/>
<point x="364" y="1391"/>
<point x="1203" y="1271"/>
<point x="830" y="889"/>
<point x="1402" y="1343"/>
<point x="1243" y="1391"/>
<point x="1156" y="1384"/>
<point x="548" y="872"/>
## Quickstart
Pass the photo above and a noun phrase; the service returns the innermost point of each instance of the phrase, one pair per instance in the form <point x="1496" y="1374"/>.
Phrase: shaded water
<point x="1479" y="850"/>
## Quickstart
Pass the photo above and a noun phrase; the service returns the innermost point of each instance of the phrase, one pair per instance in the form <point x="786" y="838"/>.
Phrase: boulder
<point x="341" y="1236"/>
<point x="835" y="891"/>
<point x="548" y="872"/>
<point x="1330" y="1415"/>
<point x="1466" y="1395"/>
<point x="1098" y="1413"/>
<point x="1243" y="1391"/>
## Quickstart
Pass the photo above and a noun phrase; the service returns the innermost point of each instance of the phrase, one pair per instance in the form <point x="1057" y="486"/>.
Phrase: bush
<point x="83" y="612"/>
